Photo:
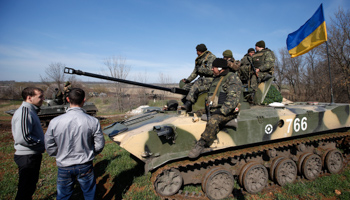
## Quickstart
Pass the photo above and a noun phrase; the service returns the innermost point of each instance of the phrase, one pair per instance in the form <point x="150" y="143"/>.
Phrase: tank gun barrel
<point x="68" y="70"/>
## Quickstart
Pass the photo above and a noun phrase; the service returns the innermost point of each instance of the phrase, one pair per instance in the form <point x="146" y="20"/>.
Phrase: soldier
<point x="245" y="71"/>
<point x="231" y="62"/>
<point x="57" y="96"/>
<point x="66" y="90"/>
<point x="264" y="62"/>
<point x="222" y="101"/>
<point x="202" y="67"/>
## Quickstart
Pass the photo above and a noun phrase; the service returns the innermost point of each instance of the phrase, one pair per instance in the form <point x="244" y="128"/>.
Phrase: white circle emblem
<point x="268" y="129"/>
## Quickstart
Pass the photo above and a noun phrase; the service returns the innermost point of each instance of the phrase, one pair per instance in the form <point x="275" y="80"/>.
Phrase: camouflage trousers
<point x="262" y="76"/>
<point x="247" y="76"/>
<point x="214" y="125"/>
<point x="245" y="73"/>
<point x="254" y="83"/>
<point x="200" y="85"/>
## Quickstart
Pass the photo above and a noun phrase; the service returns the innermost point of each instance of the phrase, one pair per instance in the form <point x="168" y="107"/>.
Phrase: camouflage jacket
<point x="233" y="64"/>
<point x="203" y="66"/>
<point x="67" y="89"/>
<point x="264" y="60"/>
<point x="228" y="95"/>
<point x="57" y="95"/>
<point x="246" y="60"/>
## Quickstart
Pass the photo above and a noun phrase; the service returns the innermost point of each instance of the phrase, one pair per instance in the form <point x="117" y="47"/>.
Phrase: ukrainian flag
<point x="308" y="36"/>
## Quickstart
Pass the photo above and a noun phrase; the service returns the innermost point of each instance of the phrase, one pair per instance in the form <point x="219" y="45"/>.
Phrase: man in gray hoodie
<point x="29" y="141"/>
<point x="74" y="139"/>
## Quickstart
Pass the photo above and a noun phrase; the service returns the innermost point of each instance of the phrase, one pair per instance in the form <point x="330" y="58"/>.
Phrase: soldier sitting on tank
<point x="57" y="97"/>
<point x="192" y="96"/>
<point x="264" y="62"/>
<point x="246" y="69"/>
<point x="66" y="90"/>
<point x="247" y="73"/>
<point x="203" y="64"/>
<point x="222" y="103"/>
<point x="231" y="62"/>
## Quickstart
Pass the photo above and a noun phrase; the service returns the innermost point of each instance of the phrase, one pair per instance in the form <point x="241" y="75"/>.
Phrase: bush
<point x="273" y="95"/>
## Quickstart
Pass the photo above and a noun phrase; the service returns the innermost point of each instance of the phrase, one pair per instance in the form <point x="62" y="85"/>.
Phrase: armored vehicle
<point x="265" y="145"/>
<point x="53" y="109"/>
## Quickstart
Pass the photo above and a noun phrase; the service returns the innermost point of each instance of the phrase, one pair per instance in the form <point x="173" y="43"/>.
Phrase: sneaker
<point x="197" y="150"/>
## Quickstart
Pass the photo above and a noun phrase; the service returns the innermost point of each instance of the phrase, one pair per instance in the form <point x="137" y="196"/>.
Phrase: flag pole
<point x="330" y="76"/>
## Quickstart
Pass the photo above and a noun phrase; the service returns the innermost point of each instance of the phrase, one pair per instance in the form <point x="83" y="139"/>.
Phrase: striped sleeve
<point x="26" y="127"/>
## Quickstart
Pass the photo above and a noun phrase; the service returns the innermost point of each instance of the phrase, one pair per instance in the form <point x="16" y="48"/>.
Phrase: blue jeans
<point x="67" y="176"/>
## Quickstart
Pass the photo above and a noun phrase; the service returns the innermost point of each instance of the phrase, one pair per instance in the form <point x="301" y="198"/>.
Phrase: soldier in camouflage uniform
<point x="264" y="62"/>
<point x="204" y="85"/>
<point x="245" y="71"/>
<point x="222" y="101"/>
<point x="231" y="62"/>
<point x="57" y="96"/>
<point x="202" y="67"/>
<point x="66" y="90"/>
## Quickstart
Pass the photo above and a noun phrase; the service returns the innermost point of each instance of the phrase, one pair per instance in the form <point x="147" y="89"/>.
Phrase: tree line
<point x="307" y="77"/>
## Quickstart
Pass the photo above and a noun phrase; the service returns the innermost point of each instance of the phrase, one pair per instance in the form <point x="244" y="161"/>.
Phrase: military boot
<point x="187" y="106"/>
<point x="197" y="149"/>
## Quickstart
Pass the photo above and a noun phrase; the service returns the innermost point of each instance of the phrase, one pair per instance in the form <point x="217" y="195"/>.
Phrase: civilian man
<point x="74" y="139"/>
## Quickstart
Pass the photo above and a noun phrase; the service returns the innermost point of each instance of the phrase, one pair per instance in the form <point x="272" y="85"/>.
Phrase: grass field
<point x="119" y="176"/>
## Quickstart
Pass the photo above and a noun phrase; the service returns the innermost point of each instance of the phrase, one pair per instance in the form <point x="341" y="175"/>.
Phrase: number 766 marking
<point x="297" y="124"/>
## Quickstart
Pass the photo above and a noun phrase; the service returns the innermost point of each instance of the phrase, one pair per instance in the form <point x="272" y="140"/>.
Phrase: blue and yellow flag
<point x="308" y="36"/>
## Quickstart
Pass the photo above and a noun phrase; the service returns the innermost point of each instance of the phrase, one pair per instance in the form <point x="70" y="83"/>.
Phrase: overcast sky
<point x="154" y="36"/>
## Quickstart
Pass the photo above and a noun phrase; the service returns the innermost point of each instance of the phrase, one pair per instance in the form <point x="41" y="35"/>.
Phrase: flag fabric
<point x="308" y="36"/>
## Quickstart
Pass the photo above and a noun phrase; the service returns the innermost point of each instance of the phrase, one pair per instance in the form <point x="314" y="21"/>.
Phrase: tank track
<point x="269" y="155"/>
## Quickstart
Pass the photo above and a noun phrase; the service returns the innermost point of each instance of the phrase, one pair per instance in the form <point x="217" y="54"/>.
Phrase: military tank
<point x="54" y="109"/>
<point x="265" y="145"/>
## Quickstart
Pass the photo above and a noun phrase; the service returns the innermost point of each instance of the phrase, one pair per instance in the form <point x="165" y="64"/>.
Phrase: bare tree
<point x="54" y="74"/>
<point x="290" y="71"/>
<point x="142" y="77"/>
<point x="164" y="80"/>
<point x="339" y="53"/>
<point x="116" y="67"/>
<point x="142" y="93"/>
<point x="55" y="77"/>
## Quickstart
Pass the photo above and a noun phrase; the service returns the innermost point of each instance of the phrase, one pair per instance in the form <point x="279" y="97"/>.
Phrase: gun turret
<point x="81" y="73"/>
